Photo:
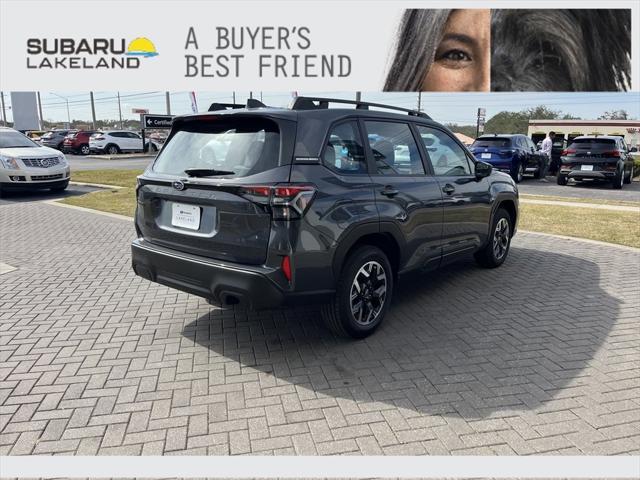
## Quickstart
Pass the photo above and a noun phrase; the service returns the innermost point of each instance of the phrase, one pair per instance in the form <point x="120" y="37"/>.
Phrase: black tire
<point x="339" y="313"/>
<point x="1" y="192"/>
<point x="61" y="188"/>
<point x="492" y="255"/>
<point x="618" y="180"/>
<point x="112" y="149"/>
<point x="540" y="172"/>
<point x="84" y="149"/>
<point x="562" y="179"/>
<point x="629" y="178"/>
<point x="518" y="173"/>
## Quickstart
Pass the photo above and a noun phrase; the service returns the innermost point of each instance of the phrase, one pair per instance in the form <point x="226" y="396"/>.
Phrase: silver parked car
<point x="26" y="165"/>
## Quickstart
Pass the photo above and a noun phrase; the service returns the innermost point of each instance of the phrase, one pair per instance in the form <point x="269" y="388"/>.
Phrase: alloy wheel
<point x="84" y="150"/>
<point x="520" y="173"/>
<point x="368" y="292"/>
<point x="501" y="238"/>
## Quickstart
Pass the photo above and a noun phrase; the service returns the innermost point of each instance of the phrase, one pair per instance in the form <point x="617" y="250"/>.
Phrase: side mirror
<point x="483" y="169"/>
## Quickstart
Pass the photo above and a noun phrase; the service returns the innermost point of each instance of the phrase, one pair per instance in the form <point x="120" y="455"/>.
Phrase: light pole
<point x="66" y="100"/>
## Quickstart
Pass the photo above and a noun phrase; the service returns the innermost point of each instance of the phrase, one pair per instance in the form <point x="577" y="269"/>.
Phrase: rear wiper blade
<point x="206" y="172"/>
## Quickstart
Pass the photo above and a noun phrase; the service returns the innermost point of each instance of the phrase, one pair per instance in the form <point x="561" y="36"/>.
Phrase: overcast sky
<point x="458" y="108"/>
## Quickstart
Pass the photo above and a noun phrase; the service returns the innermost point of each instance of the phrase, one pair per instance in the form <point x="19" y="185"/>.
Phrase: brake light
<point x="611" y="154"/>
<point x="567" y="151"/>
<point x="99" y="137"/>
<point x="286" y="268"/>
<point x="287" y="201"/>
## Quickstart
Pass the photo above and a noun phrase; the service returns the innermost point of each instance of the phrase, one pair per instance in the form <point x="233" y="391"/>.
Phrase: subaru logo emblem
<point x="178" y="185"/>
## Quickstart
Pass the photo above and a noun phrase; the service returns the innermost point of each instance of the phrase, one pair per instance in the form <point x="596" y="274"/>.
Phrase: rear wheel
<point x="562" y="179"/>
<point x="113" y="150"/>
<point x="618" y="180"/>
<point x="518" y="174"/>
<point x="629" y="179"/>
<point x="495" y="252"/>
<point x="363" y="294"/>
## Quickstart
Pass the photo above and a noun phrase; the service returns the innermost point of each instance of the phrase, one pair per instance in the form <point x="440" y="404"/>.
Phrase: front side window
<point x="343" y="151"/>
<point x="394" y="149"/>
<point x="446" y="156"/>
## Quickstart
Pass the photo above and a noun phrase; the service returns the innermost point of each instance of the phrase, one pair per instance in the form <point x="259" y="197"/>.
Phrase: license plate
<point x="485" y="155"/>
<point x="185" y="216"/>
<point x="587" y="168"/>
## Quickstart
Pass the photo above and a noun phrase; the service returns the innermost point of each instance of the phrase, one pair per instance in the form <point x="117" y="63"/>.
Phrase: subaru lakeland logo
<point x="178" y="185"/>
<point x="88" y="53"/>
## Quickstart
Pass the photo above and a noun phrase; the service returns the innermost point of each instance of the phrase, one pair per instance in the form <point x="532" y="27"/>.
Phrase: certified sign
<point x="157" y="121"/>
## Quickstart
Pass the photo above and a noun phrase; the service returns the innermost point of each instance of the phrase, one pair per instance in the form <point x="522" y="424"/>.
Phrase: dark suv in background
<point x="55" y="138"/>
<point x="591" y="158"/>
<point x="513" y="154"/>
<point x="266" y="206"/>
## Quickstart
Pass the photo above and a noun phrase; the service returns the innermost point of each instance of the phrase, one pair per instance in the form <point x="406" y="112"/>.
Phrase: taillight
<point x="99" y="137"/>
<point x="286" y="267"/>
<point x="567" y="151"/>
<point x="611" y="154"/>
<point x="287" y="201"/>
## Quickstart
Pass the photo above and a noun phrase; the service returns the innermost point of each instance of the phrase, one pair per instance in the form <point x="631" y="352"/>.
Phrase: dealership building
<point x="569" y="129"/>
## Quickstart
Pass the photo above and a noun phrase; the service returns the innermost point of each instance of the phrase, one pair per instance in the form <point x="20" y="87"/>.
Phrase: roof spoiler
<point x="251" y="103"/>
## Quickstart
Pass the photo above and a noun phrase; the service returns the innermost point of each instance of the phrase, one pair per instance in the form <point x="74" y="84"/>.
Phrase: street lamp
<point x="66" y="100"/>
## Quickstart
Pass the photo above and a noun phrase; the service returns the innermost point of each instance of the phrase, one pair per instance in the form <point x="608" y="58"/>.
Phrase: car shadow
<point x="40" y="195"/>
<point x="462" y="341"/>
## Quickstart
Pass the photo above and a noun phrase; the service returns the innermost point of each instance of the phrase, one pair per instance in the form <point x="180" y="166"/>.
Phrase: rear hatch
<point x="203" y="193"/>
<point x="591" y="154"/>
<point x="493" y="150"/>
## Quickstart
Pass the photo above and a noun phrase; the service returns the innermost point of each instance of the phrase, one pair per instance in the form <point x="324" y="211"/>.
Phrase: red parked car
<point x="78" y="142"/>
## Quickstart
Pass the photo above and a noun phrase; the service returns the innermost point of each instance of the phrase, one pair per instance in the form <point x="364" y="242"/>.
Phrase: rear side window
<point x="344" y="152"/>
<point x="446" y="156"/>
<point x="394" y="149"/>
<point x="239" y="145"/>
<point x="496" y="142"/>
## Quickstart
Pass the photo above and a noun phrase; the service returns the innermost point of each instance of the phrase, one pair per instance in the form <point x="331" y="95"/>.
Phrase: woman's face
<point x="463" y="58"/>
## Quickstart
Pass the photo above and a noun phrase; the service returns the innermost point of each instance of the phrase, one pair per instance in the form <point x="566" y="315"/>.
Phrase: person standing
<point x="547" y="146"/>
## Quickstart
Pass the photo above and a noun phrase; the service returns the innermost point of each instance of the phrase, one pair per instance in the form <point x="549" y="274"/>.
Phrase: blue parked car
<point x="512" y="154"/>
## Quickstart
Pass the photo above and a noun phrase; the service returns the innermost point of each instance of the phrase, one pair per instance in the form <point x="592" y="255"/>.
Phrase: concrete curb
<point x="97" y="185"/>
<point x="119" y="157"/>
<point x="596" y="206"/>
<point x="56" y="203"/>
<point x="584" y="240"/>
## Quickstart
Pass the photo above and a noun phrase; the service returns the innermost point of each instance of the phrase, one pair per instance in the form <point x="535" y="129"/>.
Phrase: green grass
<point x="604" y="225"/>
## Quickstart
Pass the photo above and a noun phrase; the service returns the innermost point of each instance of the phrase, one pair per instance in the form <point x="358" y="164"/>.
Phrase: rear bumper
<point x="587" y="175"/>
<point x="219" y="282"/>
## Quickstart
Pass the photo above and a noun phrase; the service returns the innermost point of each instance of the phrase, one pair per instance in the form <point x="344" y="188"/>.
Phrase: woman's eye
<point x="455" y="56"/>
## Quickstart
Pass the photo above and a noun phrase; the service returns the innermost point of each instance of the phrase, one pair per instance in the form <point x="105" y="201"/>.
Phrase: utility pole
<point x="260" y="96"/>
<point x="168" y="100"/>
<point x="234" y="97"/>
<point x="4" y="112"/>
<point x="358" y="96"/>
<point x="419" y="101"/>
<point x="67" y="101"/>
<point x="250" y="94"/>
<point x="119" y="110"/>
<point x="40" y="111"/>
<point x="93" y="111"/>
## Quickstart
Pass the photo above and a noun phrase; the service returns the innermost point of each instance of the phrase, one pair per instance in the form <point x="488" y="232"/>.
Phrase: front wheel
<point x="497" y="248"/>
<point x="363" y="294"/>
<point x="61" y="188"/>
<point x="84" y="149"/>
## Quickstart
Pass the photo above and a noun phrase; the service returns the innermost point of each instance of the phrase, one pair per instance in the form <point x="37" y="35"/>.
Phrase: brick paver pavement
<point x="539" y="356"/>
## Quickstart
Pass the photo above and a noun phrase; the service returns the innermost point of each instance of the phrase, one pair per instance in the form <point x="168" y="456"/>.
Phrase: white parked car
<point x="26" y="165"/>
<point x="118" y="141"/>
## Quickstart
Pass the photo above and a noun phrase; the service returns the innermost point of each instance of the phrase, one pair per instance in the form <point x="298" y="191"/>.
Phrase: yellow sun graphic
<point x="142" y="47"/>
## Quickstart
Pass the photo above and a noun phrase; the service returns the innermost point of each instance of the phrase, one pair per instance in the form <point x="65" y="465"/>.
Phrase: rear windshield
<point x="492" y="142"/>
<point x="15" y="140"/>
<point x="242" y="146"/>
<point x="593" y="143"/>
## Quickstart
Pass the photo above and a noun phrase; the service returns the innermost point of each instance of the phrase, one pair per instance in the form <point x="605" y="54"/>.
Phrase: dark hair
<point x="552" y="133"/>
<point x="561" y="50"/>
<point x="418" y="38"/>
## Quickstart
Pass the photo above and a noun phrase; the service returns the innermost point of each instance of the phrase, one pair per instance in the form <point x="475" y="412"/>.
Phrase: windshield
<point x="15" y="140"/>
<point x="492" y="142"/>
<point x="242" y="146"/>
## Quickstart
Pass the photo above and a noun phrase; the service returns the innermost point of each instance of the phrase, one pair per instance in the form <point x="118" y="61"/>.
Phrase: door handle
<point x="389" y="191"/>
<point x="448" y="189"/>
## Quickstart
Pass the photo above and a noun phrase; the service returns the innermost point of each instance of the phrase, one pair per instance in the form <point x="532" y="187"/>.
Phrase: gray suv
<point x="265" y="207"/>
<point x="55" y="138"/>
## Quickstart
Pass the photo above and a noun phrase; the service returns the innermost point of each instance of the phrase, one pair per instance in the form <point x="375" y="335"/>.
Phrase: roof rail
<point x="251" y="103"/>
<point x="309" y="103"/>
